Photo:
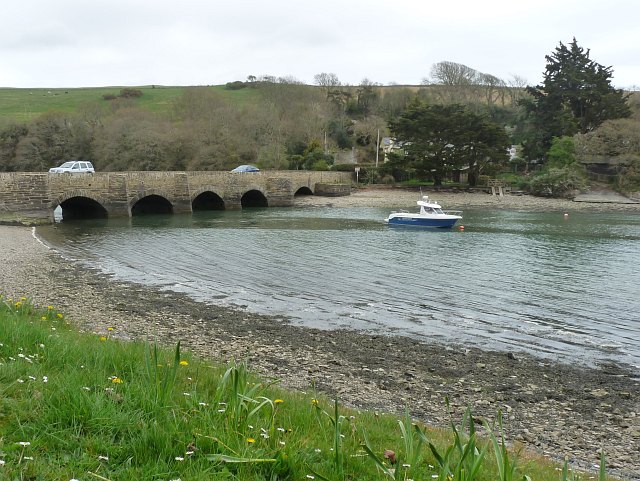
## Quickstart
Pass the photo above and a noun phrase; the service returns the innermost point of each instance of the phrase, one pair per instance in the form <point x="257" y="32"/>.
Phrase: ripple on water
<point x="515" y="281"/>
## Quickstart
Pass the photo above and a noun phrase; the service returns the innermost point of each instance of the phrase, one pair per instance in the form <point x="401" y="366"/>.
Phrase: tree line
<point x="468" y="119"/>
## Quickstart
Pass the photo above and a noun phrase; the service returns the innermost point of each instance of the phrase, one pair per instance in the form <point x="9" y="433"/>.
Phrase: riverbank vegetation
<point x="84" y="406"/>
<point x="279" y="123"/>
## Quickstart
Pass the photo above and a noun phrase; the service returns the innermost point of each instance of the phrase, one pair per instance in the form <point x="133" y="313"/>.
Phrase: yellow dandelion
<point x="184" y="363"/>
<point x="116" y="380"/>
<point x="23" y="298"/>
<point x="103" y="339"/>
<point x="50" y="308"/>
<point x="251" y="440"/>
<point x="19" y="304"/>
<point x="109" y="328"/>
<point x="314" y="402"/>
<point x="278" y="401"/>
<point x="60" y="316"/>
<point x="43" y="318"/>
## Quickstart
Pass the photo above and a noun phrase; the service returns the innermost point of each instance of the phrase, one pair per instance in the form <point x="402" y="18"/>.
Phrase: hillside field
<point x="25" y="104"/>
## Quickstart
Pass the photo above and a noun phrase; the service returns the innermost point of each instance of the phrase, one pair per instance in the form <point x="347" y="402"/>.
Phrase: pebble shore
<point x="558" y="410"/>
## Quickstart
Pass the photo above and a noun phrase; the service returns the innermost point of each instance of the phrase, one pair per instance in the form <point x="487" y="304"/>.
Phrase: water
<point x="556" y="286"/>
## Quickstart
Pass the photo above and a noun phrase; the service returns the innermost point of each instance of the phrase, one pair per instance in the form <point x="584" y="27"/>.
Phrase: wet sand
<point x="555" y="409"/>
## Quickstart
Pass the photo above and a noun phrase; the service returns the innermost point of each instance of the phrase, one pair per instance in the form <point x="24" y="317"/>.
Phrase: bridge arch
<point x="79" y="204"/>
<point x="304" y="190"/>
<point x="151" y="202"/>
<point x="207" y="199"/>
<point x="253" y="198"/>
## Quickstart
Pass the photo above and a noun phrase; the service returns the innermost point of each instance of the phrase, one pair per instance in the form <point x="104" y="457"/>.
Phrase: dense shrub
<point x="558" y="182"/>
<point x="237" y="85"/>
<point x="129" y="93"/>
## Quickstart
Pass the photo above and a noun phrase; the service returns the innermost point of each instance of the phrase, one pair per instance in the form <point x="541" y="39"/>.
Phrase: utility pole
<point x="377" y="148"/>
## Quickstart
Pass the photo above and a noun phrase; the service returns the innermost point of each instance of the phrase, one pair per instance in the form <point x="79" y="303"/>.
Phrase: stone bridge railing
<point x="38" y="194"/>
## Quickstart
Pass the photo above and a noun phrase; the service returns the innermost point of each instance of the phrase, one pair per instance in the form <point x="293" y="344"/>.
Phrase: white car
<point x="74" y="166"/>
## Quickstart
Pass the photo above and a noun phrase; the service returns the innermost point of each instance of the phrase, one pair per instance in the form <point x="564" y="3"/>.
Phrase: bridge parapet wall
<point x="24" y="192"/>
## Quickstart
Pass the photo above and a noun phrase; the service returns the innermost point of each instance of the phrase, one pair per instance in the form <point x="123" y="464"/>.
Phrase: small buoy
<point x="461" y="227"/>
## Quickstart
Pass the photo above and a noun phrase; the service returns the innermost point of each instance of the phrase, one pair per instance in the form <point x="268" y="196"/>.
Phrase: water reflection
<point x="533" y="281"/>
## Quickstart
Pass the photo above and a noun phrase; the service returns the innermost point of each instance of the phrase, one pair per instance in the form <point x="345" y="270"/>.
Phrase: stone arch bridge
<point x="125" y="194"/>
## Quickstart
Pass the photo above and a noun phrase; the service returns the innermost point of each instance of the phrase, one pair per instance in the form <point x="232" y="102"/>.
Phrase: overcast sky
<point x="73" y="43"/>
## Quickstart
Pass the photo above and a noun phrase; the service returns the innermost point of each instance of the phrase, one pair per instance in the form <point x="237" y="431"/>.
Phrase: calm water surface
<point x="560" y="287"/>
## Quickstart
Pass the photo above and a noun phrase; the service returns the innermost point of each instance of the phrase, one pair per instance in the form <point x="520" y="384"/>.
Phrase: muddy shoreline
<point x="556" y="409"/>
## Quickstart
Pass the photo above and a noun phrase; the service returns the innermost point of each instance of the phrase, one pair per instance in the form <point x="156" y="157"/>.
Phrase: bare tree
<point x="326" y="80"/>
<point x="455" y="81"/>
<point x="517" y="86"/>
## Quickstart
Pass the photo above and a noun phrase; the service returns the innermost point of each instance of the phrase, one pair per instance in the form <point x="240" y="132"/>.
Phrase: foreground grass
<point x="77" y="406"/>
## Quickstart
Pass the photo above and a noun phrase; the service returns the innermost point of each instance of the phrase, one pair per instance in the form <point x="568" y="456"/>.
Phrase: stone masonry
<point x="38" y="194"/>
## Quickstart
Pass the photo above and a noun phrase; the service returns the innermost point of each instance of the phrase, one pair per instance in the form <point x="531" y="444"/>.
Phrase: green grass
<point x="24" y="104"/>
<point x="85" y="406"/>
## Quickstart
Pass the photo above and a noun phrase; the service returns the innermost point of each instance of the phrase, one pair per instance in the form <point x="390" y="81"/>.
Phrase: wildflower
<point x="281" y="443"/>
<point x="18" y="304"/>
<point x="278" y="401"/>
<point x="86" y="388"/>
<point x="251" y="440"/>
<point x="281" y="430"/>
<point x="43" y="318"/>
<point x="203" y="404"/>
<point x="179" y="458"/>
<point x="309" y="476"/>
<point x="45" y="379"/>
<point x="189" y="453"/>
<point x="318" y="450"/>
<point x="103" y="458"/>
<point x="50" y="308"/>
<point x="184" y="363"/>
<point x="41" y="346"/>
<point x="59" y="315"/>
<point x="116" y="380"/>
<point x="32" y="378"/>
<point x="109" y="329"/>
<point x="102" y="338"/>
<point x="21" y="381"/>
<point x="314" y="402"/>
<point x="28" y="458"/>
<point x="186" y="394"/>
<point x="390" y="455"/>
<point x="2" y="462"/>
<point x="23" y="443"/>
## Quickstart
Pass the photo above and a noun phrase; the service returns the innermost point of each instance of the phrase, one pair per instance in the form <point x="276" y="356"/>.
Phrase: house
<point x="391" y="145"/>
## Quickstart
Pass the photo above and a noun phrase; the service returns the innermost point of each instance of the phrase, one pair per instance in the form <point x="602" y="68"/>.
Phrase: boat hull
<point x="441" y="222"/>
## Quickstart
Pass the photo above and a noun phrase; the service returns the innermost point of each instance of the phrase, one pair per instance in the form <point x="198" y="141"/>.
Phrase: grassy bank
<point x="86" y="406"/>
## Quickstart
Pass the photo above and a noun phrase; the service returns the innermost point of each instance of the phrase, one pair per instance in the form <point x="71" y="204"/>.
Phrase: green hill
<point x="17" y="104"/>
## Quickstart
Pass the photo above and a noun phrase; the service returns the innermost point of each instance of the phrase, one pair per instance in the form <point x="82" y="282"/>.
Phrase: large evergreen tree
<point x="575" y="97"/>
<point x="440" y="138"/>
